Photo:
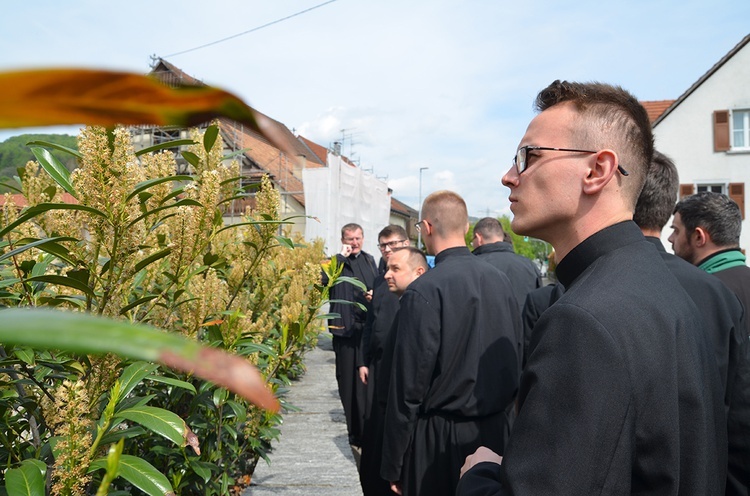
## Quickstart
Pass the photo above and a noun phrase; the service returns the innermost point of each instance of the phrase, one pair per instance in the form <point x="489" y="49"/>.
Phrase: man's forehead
<point x="353" y="232"/>
<point x="392" y="237"/>
<point x="558" y="121"/>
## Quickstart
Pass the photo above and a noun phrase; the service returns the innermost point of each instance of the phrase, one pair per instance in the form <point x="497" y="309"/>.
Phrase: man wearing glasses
<point x="621" y="393"/>
<point x="347" y="329"/>
<point x="455" y="361"/>
<point x="377" y="329"/>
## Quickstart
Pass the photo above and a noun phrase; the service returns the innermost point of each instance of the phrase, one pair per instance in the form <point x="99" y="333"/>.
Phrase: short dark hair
<point x="718" y="214"/>
<point x="659" y="194"/>
<point x="614" y="119"/>
<point x="417" y="257"/>
<point x="392" y="229"/>
<point x="490" y="228"/>
<point x="351" y="227"/>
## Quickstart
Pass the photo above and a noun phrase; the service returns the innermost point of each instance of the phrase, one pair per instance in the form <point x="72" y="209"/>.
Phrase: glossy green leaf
<point x="351" y="280"/>
<point x="64" y="281"/>
<point x="284" y="241"/>
<point x="55" y="146"/>
<point x="163" y="146"/>
<point x="54" y="168"/>
<point x="152" y="258"/>
<point x="173" y="382"/>
<point x="191" y="158"/>
<point x="32" y="212"/>
<point x="209" y="137"/>
<point x="38" y="243"/>
<point x="133" y="375"/>
<point x="26" y="480"/>
<point x="182" y="203"/>
<point x="140" y="473"/>
<point x="139" y="301"/>
<point x="144" y="185"/>
<point x="158" y="420"/>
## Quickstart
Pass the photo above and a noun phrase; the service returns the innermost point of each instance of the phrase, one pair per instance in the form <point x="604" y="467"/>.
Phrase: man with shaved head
<point x="455" y="362"/>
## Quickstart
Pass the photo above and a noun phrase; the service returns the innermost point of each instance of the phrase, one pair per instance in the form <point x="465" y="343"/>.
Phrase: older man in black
<point x="347" y="328"/>
<point x="455" y="364"/>
<point x="621" y="393"/>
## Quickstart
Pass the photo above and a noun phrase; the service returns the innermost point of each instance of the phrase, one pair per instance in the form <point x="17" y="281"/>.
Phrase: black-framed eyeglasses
<point x="390" y="244"/>
<point x="418" y="225"/>
<point x="521" y="163"/>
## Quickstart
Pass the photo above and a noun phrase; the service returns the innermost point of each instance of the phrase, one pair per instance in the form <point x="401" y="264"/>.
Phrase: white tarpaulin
<point x="340" y="194"/>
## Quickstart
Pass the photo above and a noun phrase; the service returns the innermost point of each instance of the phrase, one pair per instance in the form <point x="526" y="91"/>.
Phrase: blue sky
<point x="441" y="84"/>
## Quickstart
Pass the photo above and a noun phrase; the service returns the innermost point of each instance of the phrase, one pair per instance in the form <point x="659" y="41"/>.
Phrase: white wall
<point x="686" y="134"/>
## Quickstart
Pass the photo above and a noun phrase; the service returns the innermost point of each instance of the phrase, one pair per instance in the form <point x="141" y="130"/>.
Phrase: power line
<point x="250" y="30"/>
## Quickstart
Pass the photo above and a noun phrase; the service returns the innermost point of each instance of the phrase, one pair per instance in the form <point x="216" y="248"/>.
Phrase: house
<point x="706" y="131"/>
<point x="286" y="168"/>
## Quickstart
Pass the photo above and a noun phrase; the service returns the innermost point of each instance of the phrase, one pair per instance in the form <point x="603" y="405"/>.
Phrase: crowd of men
<point x="628" y="375"/>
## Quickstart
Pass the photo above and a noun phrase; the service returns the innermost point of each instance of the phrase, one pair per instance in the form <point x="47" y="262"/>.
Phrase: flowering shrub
<point x="148" y="247"/>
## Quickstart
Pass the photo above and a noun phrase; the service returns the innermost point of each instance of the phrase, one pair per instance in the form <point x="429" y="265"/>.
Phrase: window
<point x="713" y="188"/>
<point x="740" y="129"/>
<point x="731" y="130"/>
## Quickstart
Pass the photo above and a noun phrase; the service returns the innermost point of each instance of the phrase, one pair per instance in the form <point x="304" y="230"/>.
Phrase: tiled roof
<point x="320" y="151"/>
<point x="703" y="78"/>
<point x="402" y="208"/>
<point x="656" y="107"/>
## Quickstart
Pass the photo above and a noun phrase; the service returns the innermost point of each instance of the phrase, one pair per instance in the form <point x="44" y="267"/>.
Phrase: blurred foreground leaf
<point x="83" y="333"/>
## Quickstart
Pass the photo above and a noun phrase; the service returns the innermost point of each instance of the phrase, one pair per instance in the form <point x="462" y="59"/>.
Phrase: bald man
<point x="455" y="362"/>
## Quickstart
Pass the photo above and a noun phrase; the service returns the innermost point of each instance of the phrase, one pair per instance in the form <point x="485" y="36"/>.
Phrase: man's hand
<point x="368" y="296"/>
<point x="482" y="454"/>
<point x="364" y="374"/>
<point x="346" y="250"/>
<point x="396" y="487"/>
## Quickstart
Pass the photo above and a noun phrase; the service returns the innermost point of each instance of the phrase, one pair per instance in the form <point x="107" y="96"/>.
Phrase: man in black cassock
<point x="621" y="393"/>
<point x="455" y="361"/>
<point x="489" y="246"/>
<point x="706" y="233"/>
<point x="347" y="328"/>
<point x="376" y="332"/>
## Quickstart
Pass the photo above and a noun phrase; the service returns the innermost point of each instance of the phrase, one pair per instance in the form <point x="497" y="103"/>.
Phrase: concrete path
<point x="312" y="456"/>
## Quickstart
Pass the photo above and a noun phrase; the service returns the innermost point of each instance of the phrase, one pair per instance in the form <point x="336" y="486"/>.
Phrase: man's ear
<point x="419" y="270"/>
<point x="700" y="237"/>
<point x="600" y="172"/>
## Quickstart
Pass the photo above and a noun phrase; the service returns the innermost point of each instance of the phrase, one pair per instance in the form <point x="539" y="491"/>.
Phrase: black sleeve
<point x="482" y="480"/>
<point x="738" y="419"/>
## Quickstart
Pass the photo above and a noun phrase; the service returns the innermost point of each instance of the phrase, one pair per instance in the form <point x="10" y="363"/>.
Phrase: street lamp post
<point x="419" y="233"/>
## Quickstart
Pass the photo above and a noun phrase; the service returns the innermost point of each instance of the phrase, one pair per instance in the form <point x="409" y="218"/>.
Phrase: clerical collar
<point x="721" y="260"/>
<point x="598" y="244"/>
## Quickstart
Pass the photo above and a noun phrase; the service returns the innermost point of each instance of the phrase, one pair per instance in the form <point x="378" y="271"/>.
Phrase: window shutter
<point x="737" y="193"/>
<point x="686" y="190"/>
<point x="721" y="130"/>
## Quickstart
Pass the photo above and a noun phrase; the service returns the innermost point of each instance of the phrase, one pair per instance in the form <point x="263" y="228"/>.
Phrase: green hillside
<point x="14" y="153"/>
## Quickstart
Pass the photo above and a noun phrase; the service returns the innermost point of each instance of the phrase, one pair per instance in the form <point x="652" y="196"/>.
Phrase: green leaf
<point x="284" y="241"/>
<point x="209" y="137"/>
<point x="191" y="158"/>
<point x="351" y="280"/>
<point x="133" y="375"/>
<point x="140" y="473"/>
<point x="64" y="281"/>
<point x="152" y="258"/>
<point x="32" y="212"/>
<point x="158" y="420"/>
<point x="137" y="302"/>
<point x="162" y="146"/>
<point x="144" y="185"/>
<point x="54" y="168"/>
<point x="38" y="243"/>
<point x="25" y="354"/>
<point x="174" y="382"/>
<point x="181" y="203"/>
<point x="55" y="146"/>
<point x="28" y="479"/>
<point x="86" y="334"/>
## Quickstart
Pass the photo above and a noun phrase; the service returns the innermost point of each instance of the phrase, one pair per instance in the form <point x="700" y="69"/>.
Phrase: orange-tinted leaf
<point x="46" y="97"/>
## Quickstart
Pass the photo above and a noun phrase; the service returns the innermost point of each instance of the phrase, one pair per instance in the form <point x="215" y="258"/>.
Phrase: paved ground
<point x="313" y="456"/>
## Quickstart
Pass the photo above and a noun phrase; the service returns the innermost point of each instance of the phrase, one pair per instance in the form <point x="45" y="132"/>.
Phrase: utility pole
<point x="419" y="232"/>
